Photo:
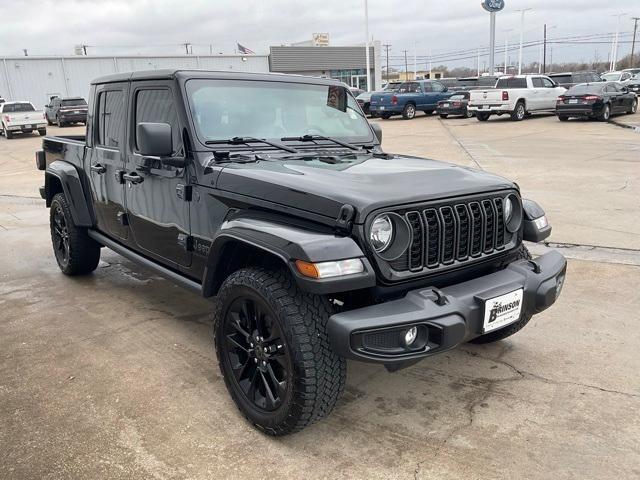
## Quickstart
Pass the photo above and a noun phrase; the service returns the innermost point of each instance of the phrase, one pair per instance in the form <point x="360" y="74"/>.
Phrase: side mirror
<point x="154" y="139"/>
<point x="377" y="130"/>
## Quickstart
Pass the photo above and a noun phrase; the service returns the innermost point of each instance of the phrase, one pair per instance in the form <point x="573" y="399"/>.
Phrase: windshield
<point x="18" y="107"/>
<point x="74" y="102"/>
<point x="610" y="77"/>
<point x="224" y="109"/>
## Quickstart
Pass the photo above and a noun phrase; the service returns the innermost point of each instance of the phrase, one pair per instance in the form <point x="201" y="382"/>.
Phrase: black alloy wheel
<point x="256" y="352"/>
<point x="60" y="235"/>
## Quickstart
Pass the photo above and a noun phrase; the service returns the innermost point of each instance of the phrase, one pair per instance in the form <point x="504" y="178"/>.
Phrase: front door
<point x="157" y="195"/>
<point x="107" y="158"/>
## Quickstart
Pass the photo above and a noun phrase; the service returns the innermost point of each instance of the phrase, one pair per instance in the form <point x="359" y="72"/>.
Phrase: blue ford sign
<point x="493" y="5"/>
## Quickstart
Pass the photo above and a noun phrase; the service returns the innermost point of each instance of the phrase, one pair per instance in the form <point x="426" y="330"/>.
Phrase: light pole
<point x="614" y="53"/>
<point x="415" y="60"/>
<point x="522" y="11"/>
<point x="633" y="44"/>
<point x="366" y="44"/>
<point x="506" y="48"/>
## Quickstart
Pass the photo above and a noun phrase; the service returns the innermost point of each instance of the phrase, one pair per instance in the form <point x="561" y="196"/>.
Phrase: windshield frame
<point x="370" y="139"/>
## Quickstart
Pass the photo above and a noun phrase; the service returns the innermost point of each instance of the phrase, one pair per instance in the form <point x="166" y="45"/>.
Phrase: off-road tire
<point x="409" y="111"/>
<point x="443" y="115"/>
<point x="482" y="117"/>
<point x="83" y="252"/>
<point x="509" y="330"/>
<point x="319" y="374"/>
<point x="519" y="112"/>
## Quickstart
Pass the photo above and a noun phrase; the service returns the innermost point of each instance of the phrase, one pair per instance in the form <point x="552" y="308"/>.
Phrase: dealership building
<point x="37" y="79"/>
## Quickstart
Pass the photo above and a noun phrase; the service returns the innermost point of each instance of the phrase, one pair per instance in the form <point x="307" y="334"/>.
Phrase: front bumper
<point x="446" y="318"/>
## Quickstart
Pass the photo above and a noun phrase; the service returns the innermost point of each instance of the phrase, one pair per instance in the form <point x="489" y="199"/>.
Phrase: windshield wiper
<point x="248" y="140"/>
<point x="311" y="138"/>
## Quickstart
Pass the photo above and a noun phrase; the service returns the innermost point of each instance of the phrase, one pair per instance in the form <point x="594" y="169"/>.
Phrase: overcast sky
<point x="160" y="26"/>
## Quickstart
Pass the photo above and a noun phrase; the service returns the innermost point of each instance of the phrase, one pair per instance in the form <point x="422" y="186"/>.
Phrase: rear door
<point x="158" y="199"/>
<point x="106" y="165"/>
<point x="439" y="93"/>
<point x="551" y="94"/>
<point x="537" y="100"/>
<point x="617" y="98"/>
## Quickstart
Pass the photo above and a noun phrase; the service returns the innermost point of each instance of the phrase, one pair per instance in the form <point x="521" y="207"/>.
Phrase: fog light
<point x="410" y="336"/>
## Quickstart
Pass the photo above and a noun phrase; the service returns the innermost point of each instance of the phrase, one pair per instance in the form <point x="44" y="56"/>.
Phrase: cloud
<point x="160" y="26"/>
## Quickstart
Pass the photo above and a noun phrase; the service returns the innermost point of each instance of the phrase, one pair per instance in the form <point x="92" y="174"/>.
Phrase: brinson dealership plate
<point x="502" y="310"/>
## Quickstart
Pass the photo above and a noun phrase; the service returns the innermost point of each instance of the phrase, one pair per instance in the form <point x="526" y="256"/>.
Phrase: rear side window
<point x="156" y="106"/>
<point x="437" y="87"/>
<point x="537" y="82"/>
<point x="18" y="107"/>
<point x="512" y="83"/>
<point x="111" y="115"/>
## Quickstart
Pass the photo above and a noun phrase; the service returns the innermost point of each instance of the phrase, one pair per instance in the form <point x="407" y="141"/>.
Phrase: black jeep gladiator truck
<point x="271" y="194"/>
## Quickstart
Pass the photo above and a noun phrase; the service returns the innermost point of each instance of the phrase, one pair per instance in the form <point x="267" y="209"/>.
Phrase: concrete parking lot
<point x="114" y="375"/>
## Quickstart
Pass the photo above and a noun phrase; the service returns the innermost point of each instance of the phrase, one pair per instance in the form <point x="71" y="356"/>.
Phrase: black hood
<point x="367" y="182"/>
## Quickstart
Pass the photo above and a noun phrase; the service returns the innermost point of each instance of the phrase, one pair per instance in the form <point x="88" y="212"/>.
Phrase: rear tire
<point x="519" y="112"/>
<point x="605" y="115"/>
<point x="563" y="118"/>
<point x="385" y="116"/>
<point x="60" y="123"/>
<point x="271" y="341"/>
<point x="523" y="254"/>
<point x="49" y="122"/>
<point x="482" y="117"/>
<point x="75" y="252"/>
<point x="409" y="111"/>
<point x="42" y="131"/>
<point x="444" y="115"/>
<point x="634" y="107"/>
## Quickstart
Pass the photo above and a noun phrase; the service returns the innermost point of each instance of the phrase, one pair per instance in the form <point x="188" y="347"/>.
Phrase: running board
<point x="145" y="262"/>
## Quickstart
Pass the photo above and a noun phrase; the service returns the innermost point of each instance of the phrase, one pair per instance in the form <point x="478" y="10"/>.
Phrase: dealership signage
<point x="493" y="5"/>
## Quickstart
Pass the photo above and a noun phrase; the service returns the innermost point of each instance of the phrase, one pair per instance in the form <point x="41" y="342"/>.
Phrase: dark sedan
<point x="597" y="100"/>
<point x="456" y="104"/>
<point x="634" y="85"/>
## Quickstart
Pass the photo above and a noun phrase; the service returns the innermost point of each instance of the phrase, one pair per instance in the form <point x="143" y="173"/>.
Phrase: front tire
<point x="502" y="333"/>
<point x="75" y="252"/>
<point x="273" y="351"/>
<point x="563" y="118"/>
<point x="7" y="134"/>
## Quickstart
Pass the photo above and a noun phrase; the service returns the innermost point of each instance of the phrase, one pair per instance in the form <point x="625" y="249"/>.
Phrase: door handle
<point x="133" y="178"/>
<point x="99" y="169"/>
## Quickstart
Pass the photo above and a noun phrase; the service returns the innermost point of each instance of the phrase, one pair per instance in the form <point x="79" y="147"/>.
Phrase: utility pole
<point x="415" y="61"/>
<point x="544" y="51"/>
<point x="633" y="44"/>
<point x="406" y="67"/>
<point x="478" y="63"/>
<point x="84" y="49"/>
<point x="387" y="46"/>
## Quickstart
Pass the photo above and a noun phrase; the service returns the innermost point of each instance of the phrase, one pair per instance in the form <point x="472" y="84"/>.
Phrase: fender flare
<point x="286" y="243"/>
<point x="71" y="184"/>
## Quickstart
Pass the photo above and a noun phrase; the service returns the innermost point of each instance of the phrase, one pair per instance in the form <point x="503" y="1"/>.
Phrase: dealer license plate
<point x="573" y="100"/>
<point x="502" y="310"/>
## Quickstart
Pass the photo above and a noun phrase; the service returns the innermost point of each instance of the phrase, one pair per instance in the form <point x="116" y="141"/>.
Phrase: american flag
<point x="245" y="50"/>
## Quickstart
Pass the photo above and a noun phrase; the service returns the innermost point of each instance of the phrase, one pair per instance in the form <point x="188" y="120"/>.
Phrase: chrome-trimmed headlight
<point x="512" y="212"/>
<point x="381" y="233"/>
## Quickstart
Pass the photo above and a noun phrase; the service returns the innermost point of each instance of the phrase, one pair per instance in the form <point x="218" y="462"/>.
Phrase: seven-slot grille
<point x="461" y="231"/>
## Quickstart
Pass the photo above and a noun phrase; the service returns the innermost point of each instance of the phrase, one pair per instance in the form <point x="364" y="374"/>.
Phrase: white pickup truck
<point x="21" y="117"/>
<point x="516" y="96"/>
